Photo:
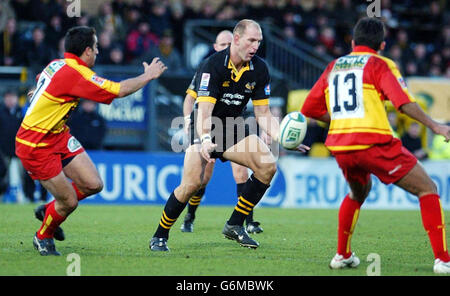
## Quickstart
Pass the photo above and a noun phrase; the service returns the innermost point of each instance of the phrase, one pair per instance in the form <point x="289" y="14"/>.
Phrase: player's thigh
<point x="417" y="182"/>
<point x="253" y="153"/>
<point x="209" y="169"/>
<point x="82" y="171"/>
<point x="240" y="172"/>
<point x="193" y="173"/>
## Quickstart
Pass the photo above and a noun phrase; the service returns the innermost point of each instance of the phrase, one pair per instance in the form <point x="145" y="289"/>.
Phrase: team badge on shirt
<point x="73" y="144"/>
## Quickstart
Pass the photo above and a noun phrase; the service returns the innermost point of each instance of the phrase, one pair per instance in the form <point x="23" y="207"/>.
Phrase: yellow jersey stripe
<point x="30" y="144"/>
<point x="207" y="99"/>
<point x="263" y="102"/>
<point x="359" y="130"/>
<point x="345" y="148"/>
<point x="52" y="98"/>
<point x="192" y="93"/>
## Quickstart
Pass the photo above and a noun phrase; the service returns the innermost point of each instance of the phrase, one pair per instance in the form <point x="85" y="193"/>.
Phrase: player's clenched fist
<point x="155" y="69"/>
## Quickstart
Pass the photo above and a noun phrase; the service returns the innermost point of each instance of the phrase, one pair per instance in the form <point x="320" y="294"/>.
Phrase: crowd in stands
<point x="418" y="32"/>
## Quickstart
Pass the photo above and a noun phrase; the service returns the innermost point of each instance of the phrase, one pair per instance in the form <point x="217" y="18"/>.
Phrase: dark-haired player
<point x="350" y="96"/>
<point x="49" y="153"/>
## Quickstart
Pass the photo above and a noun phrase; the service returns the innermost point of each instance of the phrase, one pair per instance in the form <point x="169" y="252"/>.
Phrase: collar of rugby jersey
<point x="363" y="48"/>
<point x="68" y="55"/>
<point x="229" y="64"/>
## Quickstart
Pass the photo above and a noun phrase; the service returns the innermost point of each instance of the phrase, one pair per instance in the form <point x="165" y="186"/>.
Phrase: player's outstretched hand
<point x="302" y="148"/>
<point x="155" y="69"/>
<point x="443" y="130"/>
<point x="207" y="148"/>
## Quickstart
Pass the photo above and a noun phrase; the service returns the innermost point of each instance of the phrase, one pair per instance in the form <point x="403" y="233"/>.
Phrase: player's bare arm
<point x="188" y="106"/>
<point x="204" y="129"/>
<point x="151" y="72"/>
<point x="414" y="111"/>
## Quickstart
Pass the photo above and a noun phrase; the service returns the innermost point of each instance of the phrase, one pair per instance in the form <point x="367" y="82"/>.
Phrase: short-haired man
<point x="240" y="173"/>
<point x="228" y="80"/>
<point x="49" y="153"/>
<point x="349" y="95"/>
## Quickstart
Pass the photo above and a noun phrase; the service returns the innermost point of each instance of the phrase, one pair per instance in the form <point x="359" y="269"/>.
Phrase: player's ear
<point x="382" y="45"/>
<point x="353" y="44"/>
<point x="236" y="38"/>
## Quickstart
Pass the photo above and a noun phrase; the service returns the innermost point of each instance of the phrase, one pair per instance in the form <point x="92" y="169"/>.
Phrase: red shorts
<point x="389" y="162"/>
<point x="44" y="163"/>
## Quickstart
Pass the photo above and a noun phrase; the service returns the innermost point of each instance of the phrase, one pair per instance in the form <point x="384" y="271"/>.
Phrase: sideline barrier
<point x="301" y="182"/>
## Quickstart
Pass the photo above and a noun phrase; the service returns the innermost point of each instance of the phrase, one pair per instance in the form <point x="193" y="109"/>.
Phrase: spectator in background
<point x="395" y="54"/>
<point x="178" y="20"/>
<point x="131" y="18"/>
<point x="393" y="122"/>
<point x="54" y="31"/>
<point x="6" y="13"/>
<point x="207" y="11"/>
<point x="116" y="56"/>
<point x="420" y="59"/>
<point x="87" y="126"/>
<point x="108" y="21"/>
<point x="10" y="44"/>
<point x="37" y="52"/>
<point x="159" y="18"/>
<point x="61" y="49"/>
<point x="412" y="141"/>
<point x="10" y="120"/>
<point x="167" y="53"/>
<point x="104" y="47"/>
<point x="140" y="40"/>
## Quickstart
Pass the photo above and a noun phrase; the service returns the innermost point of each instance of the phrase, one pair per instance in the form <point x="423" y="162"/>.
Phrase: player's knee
<point x="69" y="205"/>
<point x="266" y="171"/>
<point x="94" y="186"/>
<point x="187" y="189"/>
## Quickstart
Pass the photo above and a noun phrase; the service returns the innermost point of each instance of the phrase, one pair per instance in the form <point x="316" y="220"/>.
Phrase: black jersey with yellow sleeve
<point x="217" y="81"/>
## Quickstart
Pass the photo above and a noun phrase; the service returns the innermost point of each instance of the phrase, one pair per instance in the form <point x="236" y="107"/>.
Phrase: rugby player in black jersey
<point x="228" y="80"/>
<point x="240" y="173"/>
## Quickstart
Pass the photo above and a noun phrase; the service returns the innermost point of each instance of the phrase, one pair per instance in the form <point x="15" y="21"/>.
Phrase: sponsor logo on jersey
<point x="351" y="62"/>
<point x="98" y="80"/>
<point x="204" y="82"/>
<point x="402" y="82"/>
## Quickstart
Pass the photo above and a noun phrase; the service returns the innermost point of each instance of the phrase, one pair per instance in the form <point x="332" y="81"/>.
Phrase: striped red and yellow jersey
<point x="352" y="89"/>
<point x="59" y="89"/>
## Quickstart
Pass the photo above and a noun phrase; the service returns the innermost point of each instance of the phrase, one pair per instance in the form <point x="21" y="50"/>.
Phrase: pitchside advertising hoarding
<point x="300" y="182"/>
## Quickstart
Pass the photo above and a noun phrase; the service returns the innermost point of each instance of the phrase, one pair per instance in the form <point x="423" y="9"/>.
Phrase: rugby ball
<point x="292" y="130"/>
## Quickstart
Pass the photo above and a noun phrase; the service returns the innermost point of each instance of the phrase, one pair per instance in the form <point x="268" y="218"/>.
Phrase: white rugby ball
<point x="293" y="130"/>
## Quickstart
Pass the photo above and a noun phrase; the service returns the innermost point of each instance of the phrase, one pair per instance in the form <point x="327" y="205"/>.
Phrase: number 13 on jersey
<point x="346" y="94"/>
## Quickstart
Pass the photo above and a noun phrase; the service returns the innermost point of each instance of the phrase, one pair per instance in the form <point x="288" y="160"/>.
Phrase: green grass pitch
<point x="113" y="240"/>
